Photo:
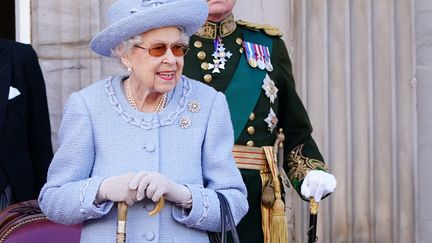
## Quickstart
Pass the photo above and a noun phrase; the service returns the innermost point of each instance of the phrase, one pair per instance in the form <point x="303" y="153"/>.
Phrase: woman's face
<point x="219" y="9"/>
<point x="157" y="73"/>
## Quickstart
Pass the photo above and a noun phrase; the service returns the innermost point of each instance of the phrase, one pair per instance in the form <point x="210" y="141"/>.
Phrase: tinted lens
<point x="179" y="50"/>
<point x="157" y="50"/>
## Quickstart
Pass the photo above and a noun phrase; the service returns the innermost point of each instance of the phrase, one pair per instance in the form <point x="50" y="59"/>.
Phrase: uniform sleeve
<point x="301" y="152"/>
<point x="220" y="174"/>
<point x="68" y="195"/>
<point x="39" y="125"/>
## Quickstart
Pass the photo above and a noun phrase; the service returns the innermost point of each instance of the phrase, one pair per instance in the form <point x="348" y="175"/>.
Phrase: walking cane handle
<point x="159" y="205"/>
<point x="313" y="206"/>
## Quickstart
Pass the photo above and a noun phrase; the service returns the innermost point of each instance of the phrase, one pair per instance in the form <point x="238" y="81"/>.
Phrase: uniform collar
<point x="211" y="30"/>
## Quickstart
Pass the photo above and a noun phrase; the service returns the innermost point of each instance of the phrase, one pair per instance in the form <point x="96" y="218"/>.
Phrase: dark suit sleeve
<point x="301" y="152"/>
<point x="39" y="124"/>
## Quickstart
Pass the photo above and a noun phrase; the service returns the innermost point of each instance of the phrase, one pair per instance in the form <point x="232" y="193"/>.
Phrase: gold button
<point x="198" y="44"/>
<point x="251" y="130"/>
<point x="252" y="116"/>
<point x="204" y="66"/>
<point x="239" y="41"/>
<point x="208" y="78"/>
<point x="250" y="143"/>
<point x="201" y="55"/>
<point x="241" y="49"/>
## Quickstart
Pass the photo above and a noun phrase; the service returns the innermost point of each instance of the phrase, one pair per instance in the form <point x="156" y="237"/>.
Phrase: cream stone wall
<point x="363" y="71"/>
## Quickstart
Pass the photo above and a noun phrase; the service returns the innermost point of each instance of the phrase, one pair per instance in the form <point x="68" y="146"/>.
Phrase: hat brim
<point x="188" y="14"/>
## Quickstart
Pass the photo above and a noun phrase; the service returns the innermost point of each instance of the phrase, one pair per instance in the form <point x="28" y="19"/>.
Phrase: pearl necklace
<point x="162" y="103"/>
<point x="131" y="98"/>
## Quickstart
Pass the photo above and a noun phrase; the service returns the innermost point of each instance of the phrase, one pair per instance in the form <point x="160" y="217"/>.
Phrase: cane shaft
<point x="122" y="208"/>
<point x="121" y="222"/>
<point x="312" y="238"/>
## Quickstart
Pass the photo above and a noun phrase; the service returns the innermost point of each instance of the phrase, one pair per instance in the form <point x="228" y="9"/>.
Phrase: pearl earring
<point x="129" y="69"/>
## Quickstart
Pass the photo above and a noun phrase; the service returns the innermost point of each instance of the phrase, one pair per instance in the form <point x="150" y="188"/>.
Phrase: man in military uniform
<point x="250" y="64"/>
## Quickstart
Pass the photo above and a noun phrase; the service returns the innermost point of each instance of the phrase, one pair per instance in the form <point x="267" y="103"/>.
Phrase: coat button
<point x="204" y="66"/>
<point x="239" y="41"/>
<point x="250" y="143"/>
<point x="252" y="116"/>
<point x="149" y="206"/>
<point x="251" y="130"/>
<point x="148" y="119"/>
<point x="198" y="44"/>
<point x="149" y="235"/>
<point x="150" y="147"/>
<point x="201" y="55"/>
<point x="208" y="78"/>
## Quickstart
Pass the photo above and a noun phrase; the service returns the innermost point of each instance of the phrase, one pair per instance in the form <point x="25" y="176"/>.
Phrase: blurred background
<point x="363" y="69"/>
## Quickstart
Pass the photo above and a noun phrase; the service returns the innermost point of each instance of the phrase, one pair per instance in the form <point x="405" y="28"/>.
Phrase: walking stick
<point x="121" y="222"/>
<point x="312" y="238"/>
<point x="122" y="215"/>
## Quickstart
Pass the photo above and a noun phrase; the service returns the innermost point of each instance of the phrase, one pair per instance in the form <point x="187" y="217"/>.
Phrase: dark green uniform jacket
<point x="301" y="152"/>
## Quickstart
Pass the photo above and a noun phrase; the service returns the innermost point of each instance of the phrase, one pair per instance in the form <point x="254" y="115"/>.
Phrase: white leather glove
<point x="116" y="189"/>
<point x="317" y="184"/>
<point x="154" y="185"/>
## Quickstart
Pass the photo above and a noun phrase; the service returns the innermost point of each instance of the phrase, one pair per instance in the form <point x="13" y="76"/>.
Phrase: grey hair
<point x="125" y="47"/>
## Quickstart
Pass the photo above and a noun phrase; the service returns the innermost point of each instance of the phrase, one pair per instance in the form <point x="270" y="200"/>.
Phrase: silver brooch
<point x="194" y="106"/>
<point x="184" y="122"/>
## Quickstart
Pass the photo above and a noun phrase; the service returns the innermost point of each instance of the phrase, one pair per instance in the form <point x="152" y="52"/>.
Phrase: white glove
<point x="116" y="189"/>
<point x="317" y="184"/>
<point x="154" y="186"/>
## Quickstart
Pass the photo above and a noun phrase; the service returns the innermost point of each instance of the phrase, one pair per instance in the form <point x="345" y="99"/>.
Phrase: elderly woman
<point x="135" y="138"/>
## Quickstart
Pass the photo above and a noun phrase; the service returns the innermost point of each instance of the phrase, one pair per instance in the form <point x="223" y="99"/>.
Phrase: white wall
<point x="22" y="20"/>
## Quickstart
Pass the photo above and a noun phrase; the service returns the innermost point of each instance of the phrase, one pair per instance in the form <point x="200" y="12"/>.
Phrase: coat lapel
<point x="5" y="80"/>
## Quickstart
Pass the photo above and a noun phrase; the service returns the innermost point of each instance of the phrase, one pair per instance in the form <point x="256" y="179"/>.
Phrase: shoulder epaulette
<point x="268" y="29"/>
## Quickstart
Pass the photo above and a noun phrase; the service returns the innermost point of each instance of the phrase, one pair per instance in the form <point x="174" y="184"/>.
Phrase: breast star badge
<point x="271" y="120"/>
<point x="270" y="88"/>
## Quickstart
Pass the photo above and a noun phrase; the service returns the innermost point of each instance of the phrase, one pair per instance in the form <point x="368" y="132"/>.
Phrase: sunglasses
<point x="159" y="49"/>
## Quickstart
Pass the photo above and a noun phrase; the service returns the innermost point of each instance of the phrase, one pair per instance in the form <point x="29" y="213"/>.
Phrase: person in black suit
<point x="25" y="134"/>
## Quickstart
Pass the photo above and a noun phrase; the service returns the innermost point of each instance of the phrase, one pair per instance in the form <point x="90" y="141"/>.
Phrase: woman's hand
<point x="154" y="186"/>
<point x="317" y="184"/>
<point x="116" y="189"/>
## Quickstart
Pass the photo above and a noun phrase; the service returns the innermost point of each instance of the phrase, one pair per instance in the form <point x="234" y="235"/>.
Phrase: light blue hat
<point x="128" y="18"/>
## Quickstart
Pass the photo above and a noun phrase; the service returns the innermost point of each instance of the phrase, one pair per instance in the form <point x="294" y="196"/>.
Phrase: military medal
<point x="220" y="56"/>
<point x="260" y="59"/>
<point x="217" y="64"/>
<point x="268" y="65"/>
<point x="250" y="54"/>
<point x="252" y="62"/>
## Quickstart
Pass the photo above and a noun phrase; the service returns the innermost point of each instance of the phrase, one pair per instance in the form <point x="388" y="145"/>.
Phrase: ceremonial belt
<point x="251" y="158"/>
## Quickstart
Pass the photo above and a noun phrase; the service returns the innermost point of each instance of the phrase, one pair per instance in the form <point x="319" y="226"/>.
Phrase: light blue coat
<point x="101" y="135"/>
